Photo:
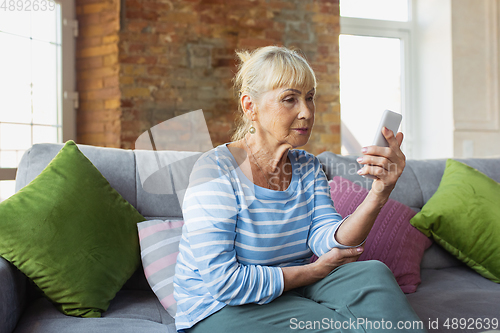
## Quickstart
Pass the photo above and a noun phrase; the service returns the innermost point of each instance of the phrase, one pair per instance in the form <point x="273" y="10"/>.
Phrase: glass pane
<point x="8" y="159"/>
<point x="15" y="21"/>
<point x="391" y="10"/>
<point x="15" y="80"/>
<point x="7" y="189"/>
<point x="30" y="83"/>
<point x="370" y="82"/>
<point x="44" y="78"/>
<point x="44" y="22"/>
<point x="44" y="134"/>
<point x="15" y="137"/>
<point x="20" y="154"/>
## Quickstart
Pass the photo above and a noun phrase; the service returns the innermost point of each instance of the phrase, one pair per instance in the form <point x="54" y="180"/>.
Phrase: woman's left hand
<point x="385" y="163"/>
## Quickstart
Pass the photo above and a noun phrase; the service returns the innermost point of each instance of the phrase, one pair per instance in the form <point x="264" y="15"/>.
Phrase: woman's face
<point x="287" y="115"/>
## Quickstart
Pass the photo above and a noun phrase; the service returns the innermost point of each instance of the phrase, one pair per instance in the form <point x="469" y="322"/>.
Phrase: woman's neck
<point x="272" y="158"/>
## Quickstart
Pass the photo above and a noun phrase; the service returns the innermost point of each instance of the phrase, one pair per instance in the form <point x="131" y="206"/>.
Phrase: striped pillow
<point x="159" y="242"/>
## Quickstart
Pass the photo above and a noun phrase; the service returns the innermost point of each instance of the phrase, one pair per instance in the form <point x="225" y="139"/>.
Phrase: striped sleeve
<point x="210" y="210"/>
<point x="325" y="219"/>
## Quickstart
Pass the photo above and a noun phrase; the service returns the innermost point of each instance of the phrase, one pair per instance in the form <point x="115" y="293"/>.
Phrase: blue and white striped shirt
<point x="236" y="234"/>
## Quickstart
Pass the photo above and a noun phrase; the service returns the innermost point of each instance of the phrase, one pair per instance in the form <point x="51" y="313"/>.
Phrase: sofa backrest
<point x="123" y="169"/>
<point x="168" y="170"/>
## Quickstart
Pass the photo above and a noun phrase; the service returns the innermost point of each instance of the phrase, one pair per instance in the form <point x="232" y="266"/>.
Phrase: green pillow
<point x="72" y="234"/>
<point x="463" y="216"/>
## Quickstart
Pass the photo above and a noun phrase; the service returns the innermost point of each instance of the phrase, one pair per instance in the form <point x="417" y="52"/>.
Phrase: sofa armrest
<point x="12" y="295"/>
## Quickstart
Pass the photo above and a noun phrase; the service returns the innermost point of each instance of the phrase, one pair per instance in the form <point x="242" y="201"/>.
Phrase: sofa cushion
<point x="436" y="257"/>
<point x="392" y="239"/>
<point x="71" y="233"/>
<point x="463" y="216"/>
<point x="456" y="292"/>
<point x="159" y="242"/>
<point x="131" y="311"/>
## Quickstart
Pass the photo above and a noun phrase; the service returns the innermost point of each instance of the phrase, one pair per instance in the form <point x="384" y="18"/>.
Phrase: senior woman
<point x="257" y="208"/>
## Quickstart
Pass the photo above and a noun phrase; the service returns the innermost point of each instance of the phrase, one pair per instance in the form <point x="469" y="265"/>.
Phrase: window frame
<point x="69" y="33"/>
<point x="67" y="79"/>
<point x="403" y="31"/>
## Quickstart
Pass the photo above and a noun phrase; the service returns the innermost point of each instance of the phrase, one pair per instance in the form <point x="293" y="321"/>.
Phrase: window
<point x="374" y="51"/>
<point x="31" y="84"/>
<point x="388" y="10"/>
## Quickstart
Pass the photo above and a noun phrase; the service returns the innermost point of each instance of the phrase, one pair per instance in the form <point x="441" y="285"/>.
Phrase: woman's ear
<point x="248" y="106"/>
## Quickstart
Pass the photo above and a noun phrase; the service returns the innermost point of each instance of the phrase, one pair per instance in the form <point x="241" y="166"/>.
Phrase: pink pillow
<point x="392" y="240"/>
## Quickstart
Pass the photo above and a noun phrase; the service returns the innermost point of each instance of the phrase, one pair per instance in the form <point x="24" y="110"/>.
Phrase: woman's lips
<point x="302" y="130"/>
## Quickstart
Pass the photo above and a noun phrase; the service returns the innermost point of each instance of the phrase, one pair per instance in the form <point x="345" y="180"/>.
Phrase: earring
<point x="251" y="129"/>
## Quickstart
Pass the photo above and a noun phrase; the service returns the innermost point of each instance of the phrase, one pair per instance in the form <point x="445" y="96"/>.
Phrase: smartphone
<point x="391" y="120"/>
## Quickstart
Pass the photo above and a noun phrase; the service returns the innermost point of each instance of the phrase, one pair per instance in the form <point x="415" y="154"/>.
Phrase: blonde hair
<point x="264" y="69"/>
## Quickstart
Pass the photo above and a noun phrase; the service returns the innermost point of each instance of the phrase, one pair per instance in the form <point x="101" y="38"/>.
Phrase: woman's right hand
<point x="299" y="276"/>
<point x="333" y="259"/>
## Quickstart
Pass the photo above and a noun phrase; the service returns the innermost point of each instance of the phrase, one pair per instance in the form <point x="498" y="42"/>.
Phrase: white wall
<point x="433" y="85"/>
<point x="457" y="109"/>
<point x="475" y="77"/>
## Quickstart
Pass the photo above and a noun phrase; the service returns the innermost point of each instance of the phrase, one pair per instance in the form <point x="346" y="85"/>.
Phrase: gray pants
<point x="361" y="296"/>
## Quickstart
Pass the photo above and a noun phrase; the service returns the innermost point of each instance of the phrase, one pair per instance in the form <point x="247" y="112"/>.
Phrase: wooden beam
<point x="8" y="173"/>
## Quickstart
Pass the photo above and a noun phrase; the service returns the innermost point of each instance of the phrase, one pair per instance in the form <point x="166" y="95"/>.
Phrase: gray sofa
<point x="448" y="290"/>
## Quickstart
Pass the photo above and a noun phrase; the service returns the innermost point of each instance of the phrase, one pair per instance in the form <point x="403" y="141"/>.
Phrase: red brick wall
<point x="97" y="70"/>
<point x="178" y="56"/>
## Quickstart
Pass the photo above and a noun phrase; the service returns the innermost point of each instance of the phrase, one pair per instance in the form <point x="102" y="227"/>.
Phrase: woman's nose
<point x="306" y="111"/>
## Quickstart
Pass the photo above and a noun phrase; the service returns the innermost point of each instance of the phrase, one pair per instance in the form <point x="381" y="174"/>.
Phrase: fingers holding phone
<point x="384" y="161"/>
<point x="378" y="161"/>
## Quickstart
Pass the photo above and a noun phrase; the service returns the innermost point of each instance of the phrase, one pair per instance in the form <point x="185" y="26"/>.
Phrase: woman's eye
<point x="290" y="100"/>
<point x="310" y="98"/>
